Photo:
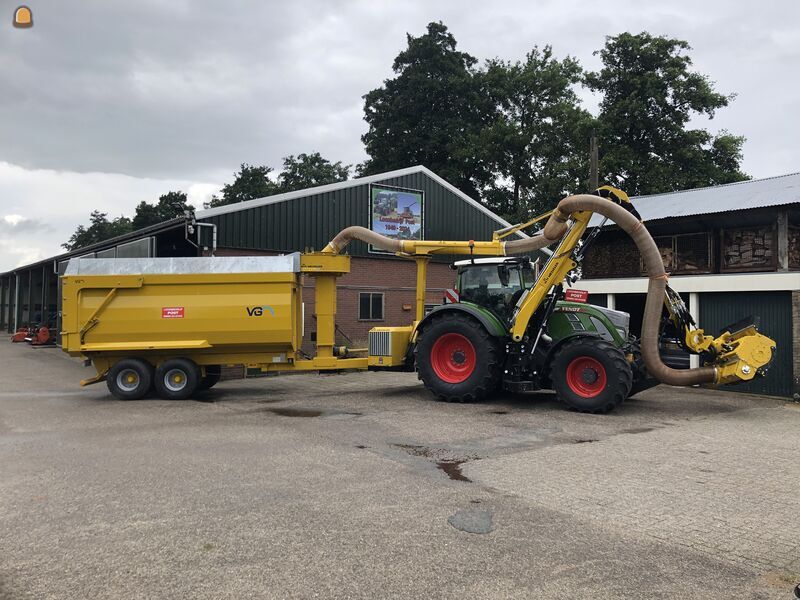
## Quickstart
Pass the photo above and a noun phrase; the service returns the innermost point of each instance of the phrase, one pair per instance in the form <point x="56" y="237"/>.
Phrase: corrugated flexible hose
<point x="556" y="227"/>
<point x="554" y="230"/>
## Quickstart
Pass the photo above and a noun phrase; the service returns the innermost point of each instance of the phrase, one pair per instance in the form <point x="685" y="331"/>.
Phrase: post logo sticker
<point x="172" y="312"/>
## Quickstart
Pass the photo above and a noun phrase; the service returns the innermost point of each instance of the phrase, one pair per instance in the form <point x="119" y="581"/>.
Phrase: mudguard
<point x="486" y="318"/>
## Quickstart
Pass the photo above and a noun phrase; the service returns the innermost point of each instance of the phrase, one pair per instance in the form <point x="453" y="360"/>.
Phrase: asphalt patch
<point x="472" y="521"/>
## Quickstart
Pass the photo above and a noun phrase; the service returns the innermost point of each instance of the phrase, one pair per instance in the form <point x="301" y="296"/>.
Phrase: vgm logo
<point x="259" y="311"/>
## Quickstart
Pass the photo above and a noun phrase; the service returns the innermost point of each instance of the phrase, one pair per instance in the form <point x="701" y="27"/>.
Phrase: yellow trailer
<point x="172" y="323"/>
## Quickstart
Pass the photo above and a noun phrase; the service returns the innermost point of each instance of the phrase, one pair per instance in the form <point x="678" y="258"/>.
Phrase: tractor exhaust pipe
<point x="556" y="227"/>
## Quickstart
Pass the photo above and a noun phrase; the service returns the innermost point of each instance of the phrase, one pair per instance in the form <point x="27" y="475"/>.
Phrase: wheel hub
<point x="453" y="358"/>
<point x="586" y="376"/>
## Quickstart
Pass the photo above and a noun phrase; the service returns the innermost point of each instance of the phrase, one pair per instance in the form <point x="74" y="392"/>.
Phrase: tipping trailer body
<point x="213" y="311"/>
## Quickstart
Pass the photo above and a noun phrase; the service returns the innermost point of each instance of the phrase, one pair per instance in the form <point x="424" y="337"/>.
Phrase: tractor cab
<point x="495" y="283"/>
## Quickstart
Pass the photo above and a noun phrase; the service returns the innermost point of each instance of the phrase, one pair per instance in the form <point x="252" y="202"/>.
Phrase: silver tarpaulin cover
<point x="287" y="263"/>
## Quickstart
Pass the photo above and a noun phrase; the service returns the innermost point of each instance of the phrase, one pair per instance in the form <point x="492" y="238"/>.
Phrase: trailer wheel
<point x="130" y="378"/>
<point x="591" y="375"/>
<point x="457" y="359"/>
<point x="177" y="378"/>
<point x="211" y="378"/>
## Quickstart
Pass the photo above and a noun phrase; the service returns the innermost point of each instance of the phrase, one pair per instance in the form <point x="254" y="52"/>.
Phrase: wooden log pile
<point x="748" y="248"/>
<point x="617" y="257"/>
<point x="794" y="247"/>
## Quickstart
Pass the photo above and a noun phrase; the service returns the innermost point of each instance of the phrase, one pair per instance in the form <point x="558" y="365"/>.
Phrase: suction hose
<point x="355" y="232"/>
<point x="554" y="230"/>
<point x="556" y="227"/>
<point x="345" y="236"/>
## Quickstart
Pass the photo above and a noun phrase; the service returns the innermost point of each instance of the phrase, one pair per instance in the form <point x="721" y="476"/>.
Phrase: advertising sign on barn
<point x="396" y="213"/>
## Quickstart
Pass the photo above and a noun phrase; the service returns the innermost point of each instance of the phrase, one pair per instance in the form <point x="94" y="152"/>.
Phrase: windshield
<point x="496" y="287"/>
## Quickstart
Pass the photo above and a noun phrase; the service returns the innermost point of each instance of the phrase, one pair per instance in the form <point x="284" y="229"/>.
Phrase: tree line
<point x="251" y="181"/>
<point x="512" y="134"/>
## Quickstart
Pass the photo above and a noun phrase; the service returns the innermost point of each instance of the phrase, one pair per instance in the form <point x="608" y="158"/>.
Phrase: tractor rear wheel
<point x="130" y="378"/>
<point x="457" y="359"/>
<point x="591" y="375"/>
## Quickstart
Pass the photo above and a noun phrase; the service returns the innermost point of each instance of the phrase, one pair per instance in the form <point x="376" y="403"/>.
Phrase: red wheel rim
<point x="586" y="376"/>
<point x="453" y="358"/>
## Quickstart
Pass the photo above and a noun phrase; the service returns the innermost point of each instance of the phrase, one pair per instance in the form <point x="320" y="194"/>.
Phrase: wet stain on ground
<point x="423" y="451"/>
<point x="498" y="412"/>
<point x="585" y="441"/>
<point x="638" y="430"/>
<point x="360" y="446"/>
<point x="295" y="412"/>
<point x="453" y="469"/>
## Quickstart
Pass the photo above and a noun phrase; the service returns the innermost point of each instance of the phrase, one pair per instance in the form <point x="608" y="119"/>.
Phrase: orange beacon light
<point x="23" y="17"/>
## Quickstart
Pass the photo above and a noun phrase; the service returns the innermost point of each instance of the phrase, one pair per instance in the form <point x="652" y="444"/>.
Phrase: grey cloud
<point x="24" y="226"/>
<point x="183" y="89"/>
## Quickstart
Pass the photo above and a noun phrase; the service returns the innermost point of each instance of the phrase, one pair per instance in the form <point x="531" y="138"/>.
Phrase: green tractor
<point x="585" y="352"/>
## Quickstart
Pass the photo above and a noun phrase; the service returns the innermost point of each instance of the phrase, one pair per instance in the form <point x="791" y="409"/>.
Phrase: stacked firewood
<point x="794" y="247"/>
<point x="745" y="248"/>
<point x="614" y="257"/>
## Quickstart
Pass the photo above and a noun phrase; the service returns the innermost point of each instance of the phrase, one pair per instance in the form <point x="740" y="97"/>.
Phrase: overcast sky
<point x="104" y="104"/>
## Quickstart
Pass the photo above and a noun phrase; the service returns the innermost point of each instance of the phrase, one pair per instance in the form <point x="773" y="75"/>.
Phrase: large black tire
<point x="177" y="378"/>
<point x="457" y="359"/>
<point x="211" y="378"/>
<point x="591" y="375"/>
<point x="130" y="378"/>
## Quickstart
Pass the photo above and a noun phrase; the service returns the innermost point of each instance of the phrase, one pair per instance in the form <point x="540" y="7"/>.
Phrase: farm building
<point x="732" y="251"/>
<point x="412" y="203"/>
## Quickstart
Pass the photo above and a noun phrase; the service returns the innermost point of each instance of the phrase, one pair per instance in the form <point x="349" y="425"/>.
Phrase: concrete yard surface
<point x="360" y="485"/>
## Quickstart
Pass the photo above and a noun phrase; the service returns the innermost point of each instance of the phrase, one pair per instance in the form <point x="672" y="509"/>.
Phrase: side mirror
<point x="502" y="272"/>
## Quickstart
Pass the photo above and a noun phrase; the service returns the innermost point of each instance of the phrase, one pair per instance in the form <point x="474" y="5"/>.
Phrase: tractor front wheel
<point x="457" y="359"/>
<point x="591" y="375"/>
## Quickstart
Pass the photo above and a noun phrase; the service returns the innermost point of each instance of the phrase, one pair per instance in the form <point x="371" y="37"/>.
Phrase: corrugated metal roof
<point x="120" y="239"/>
<point x="333" y="187"/>
<point x="743" y="195"/>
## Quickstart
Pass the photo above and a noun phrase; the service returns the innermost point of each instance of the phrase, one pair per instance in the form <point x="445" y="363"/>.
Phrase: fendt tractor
<point x="172" y="323"/>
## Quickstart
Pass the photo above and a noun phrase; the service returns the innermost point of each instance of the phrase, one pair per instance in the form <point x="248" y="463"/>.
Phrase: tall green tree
<point x="309" y="170"/>
<point x="249" y="182"/>
<point x="649" y="95"/>
<point x="99" y="230"/>
<point x="535" y="147"/>
<point x="169" y="206"/>
<point x="427" y="112"/>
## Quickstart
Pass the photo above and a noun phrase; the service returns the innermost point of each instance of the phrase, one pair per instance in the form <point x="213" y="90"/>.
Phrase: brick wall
<point x="396" y="279"/>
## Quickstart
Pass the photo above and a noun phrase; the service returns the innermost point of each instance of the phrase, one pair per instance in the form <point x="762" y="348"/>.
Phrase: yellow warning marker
<point x="23" y="17"/>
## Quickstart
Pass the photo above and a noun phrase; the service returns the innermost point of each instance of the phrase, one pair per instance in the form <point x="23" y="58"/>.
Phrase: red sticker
<point x="172" y="312"/>
<point x="576" y="296"/>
